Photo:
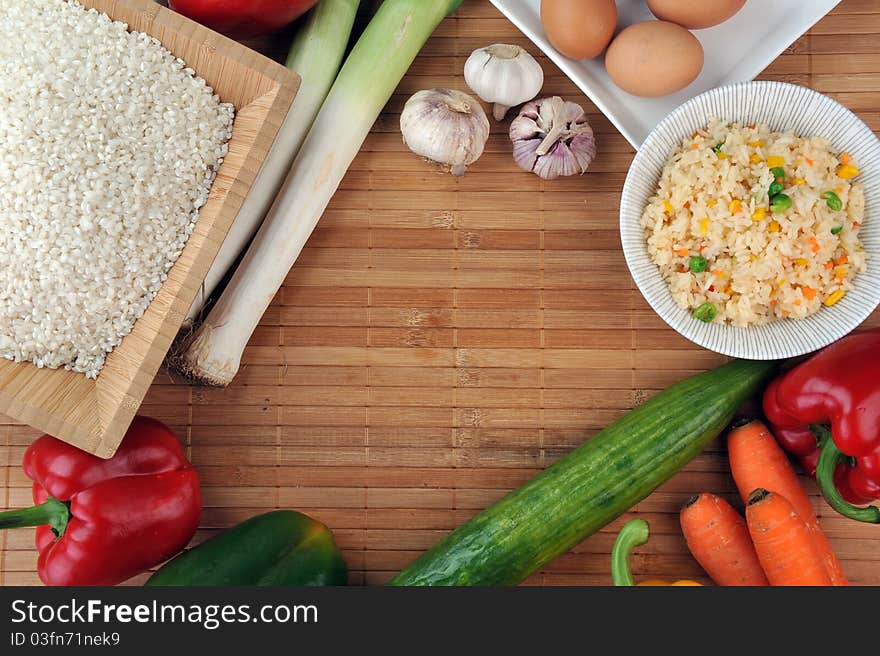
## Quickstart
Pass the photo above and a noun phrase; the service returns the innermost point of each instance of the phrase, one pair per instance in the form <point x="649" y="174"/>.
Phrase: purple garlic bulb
<point x="552" y="137"/>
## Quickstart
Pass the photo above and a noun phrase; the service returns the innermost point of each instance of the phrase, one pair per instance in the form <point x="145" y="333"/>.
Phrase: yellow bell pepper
<point x="659" y="582"/>
<point x="634" y="534"/>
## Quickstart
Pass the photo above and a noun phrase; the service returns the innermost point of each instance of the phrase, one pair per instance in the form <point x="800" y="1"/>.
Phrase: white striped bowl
<point x="782" y="107"/>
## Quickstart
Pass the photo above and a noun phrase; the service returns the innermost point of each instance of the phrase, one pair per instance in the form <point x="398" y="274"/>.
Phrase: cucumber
<point x="592" y="485"/>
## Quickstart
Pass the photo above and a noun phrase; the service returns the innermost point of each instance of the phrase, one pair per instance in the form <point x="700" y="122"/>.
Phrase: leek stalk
<point x="316" y="55"/>
<point x="366" y="82"/>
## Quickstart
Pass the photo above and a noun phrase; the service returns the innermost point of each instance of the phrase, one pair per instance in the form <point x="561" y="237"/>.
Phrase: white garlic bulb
<point x="505" y="75"/>
<point x="445" y="126"/>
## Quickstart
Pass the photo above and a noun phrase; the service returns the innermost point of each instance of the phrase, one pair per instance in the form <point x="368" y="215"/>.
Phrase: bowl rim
<point x="767" y="342"/>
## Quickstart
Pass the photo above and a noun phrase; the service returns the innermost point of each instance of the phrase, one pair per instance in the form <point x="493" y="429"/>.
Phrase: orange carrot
<point x="757" y="461"/>
<point x="783" y="541"/>
<point x="719" y="540"/>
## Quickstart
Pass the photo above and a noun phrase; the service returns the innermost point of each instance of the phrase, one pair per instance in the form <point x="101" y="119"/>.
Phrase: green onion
<point x="836" y="230"/>
<point x="778" y="173"/>
<point x="779" y="203"/>
<point x="706" y="312"/>
<point x="698" y="264"/>
<point x="833" y="200"/>
<point x="316" y="55"/>
<point x="371" y="73"/>
<point x="717" y="147"/>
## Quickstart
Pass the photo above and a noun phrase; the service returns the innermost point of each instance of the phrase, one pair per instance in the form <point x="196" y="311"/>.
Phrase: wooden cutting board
<point x="440" y="340"/>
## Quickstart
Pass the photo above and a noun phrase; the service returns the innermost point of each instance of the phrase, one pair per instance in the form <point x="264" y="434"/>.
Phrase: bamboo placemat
<point x="440" y="340"/>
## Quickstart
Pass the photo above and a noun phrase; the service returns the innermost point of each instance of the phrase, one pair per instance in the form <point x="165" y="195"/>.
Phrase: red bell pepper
<point x="839" y="386"/>
<point x="100" y="522"/>
<point x="243" y="19"/>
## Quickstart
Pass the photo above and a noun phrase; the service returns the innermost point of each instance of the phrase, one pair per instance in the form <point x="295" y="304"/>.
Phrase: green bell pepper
<point x="282" y="547"/>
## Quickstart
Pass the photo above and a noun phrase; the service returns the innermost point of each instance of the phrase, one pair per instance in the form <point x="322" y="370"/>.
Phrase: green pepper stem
<point x="829" y="457"/>
<point x="633" y="534"/>
<point x="53" y="512"/>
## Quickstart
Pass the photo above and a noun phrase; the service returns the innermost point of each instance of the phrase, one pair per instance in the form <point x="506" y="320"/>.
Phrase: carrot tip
<point x="757" y="495"/>
<point x="691" y="501"/>
<point x="739" y="422"/>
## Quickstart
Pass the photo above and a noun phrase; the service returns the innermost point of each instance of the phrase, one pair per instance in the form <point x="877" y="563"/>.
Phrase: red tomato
<point x="242" y="19"/>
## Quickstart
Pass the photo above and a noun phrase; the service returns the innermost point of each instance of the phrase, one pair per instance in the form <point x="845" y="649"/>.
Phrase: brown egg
<point x="580" y="29"/>
<point x="654" y="58"/>
<point x="695" y="15"/>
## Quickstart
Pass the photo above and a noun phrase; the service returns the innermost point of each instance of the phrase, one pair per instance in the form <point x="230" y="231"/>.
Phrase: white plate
<point x="736" y="51"/>
<point x="782" y="107"/>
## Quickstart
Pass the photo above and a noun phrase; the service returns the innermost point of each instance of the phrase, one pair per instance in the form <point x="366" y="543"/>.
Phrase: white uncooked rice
<point x="108" y="148"/>
<point x="755" y="265"/>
